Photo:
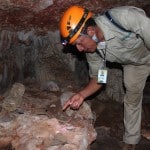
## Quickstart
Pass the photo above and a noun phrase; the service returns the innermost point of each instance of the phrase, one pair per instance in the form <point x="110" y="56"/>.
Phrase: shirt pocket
<point x="130" y="41"/>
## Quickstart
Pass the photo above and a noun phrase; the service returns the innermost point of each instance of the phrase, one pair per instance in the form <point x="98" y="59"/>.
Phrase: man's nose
<point x="80" y="48"/>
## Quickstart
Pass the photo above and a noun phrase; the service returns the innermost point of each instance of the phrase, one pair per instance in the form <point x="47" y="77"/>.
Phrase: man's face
<point x="84" y="43"/>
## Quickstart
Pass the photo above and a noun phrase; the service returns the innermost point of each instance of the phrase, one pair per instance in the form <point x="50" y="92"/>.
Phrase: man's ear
<point x="90" y="31"/>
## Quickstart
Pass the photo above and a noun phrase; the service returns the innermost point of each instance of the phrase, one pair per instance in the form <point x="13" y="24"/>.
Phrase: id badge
<point x="102" y="76"/>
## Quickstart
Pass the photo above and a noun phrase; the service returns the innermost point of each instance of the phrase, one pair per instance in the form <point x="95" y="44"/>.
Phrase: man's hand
<point x="74" y="102"/>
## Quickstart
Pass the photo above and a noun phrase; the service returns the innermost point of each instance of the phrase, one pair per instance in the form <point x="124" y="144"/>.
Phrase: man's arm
<point x="76" y="100"/>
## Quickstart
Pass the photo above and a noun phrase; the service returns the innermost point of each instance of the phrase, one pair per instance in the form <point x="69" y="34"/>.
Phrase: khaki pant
<point x="134" y="80"/>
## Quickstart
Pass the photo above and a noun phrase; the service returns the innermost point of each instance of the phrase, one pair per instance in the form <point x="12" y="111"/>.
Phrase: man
<point x="119" y="35"/>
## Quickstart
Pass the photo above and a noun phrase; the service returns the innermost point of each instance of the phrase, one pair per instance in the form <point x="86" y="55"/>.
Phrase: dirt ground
<point x="109" y="126"/>
<point x="108" y="118"/>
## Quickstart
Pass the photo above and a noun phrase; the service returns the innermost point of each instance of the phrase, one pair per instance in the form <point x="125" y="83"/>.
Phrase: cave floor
<point x="108" y="119"/>
<point x="109" y="126"/>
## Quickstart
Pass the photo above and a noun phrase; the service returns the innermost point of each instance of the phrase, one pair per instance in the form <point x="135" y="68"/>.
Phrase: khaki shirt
<point x="123" y="47"/>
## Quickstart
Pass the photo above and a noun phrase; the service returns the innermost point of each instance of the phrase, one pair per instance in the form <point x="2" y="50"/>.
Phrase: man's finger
<point x="66" y="105"/>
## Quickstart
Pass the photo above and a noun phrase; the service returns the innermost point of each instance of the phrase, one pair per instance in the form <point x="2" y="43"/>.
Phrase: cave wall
<point x="45" y="14"/>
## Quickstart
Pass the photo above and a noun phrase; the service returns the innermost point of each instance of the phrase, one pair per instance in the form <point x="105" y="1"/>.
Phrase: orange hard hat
<point x="72" y="22"/>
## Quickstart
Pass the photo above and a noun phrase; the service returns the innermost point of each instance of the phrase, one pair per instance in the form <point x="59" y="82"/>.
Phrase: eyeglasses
<point x="78" y="40"/>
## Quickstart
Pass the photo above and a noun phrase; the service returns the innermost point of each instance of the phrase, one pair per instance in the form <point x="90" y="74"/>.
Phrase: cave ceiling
<point x="45" y="14"/>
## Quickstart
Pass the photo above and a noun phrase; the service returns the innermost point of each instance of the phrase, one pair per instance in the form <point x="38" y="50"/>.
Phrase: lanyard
<point x="103" y="57"/>
<point x="102" y="71"/>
